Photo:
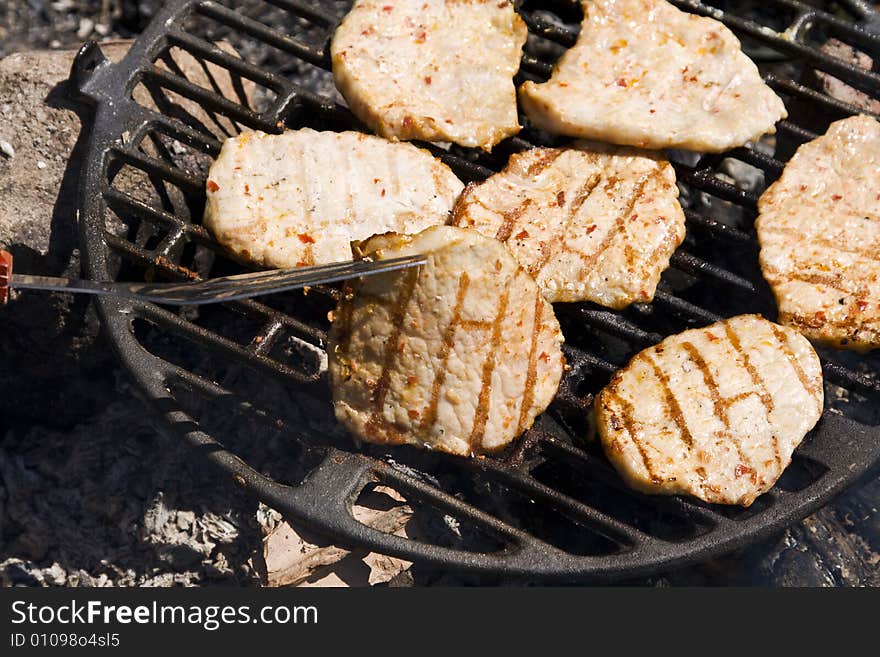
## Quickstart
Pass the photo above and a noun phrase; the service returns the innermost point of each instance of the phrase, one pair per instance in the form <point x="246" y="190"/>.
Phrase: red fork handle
<point x="5" y="275"/>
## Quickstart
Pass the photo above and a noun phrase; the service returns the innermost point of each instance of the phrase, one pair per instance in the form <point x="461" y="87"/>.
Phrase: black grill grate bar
<point x="297" y="96"/>
<point x="327" y="291"/>
<point x="207" y="98"/>
<point x="796" y="6"/>
<point x="618" y="325"/>
<point x="174" y="375"/>
<point x="267" y="337"/>
<point x="413" y="488"/>
<point x="327" y="109"/>
<point x="177" y="129"/>
<point x="565" y="35"/>
<point x="716" y="229"/>
<point x="208" y="51"/>
<point x="309" y="334"/>
<point x="287" y="101"/>
<point x="468" y="170"/>
<point x="160" y="168"/>
<point x="849" y="379"/>
<point x="517" y="144"/>
<point x="769" y="165"/>
<point x="535" y="66"/>
<point x="845" y="26"/>
<point x="237" y="404"/>
<point x="679" y="306"/>
<point x="227" y="348"/>
<point x="833" y="104"/>
<point x="801" y="133"/>
<point x="698" y="267"/>
<point x="249" y="307"/>
<point x="123" y="203"/>
<point x="863" y="9"/>
<point x="802" y="22"/>
<point x="574" y="354"/>
<point x="860" y="78"/>
<point x="619" y="532"/>
<point x="139" y="256"/>
<point x="605" y="473"/>
<point x="272" y="37"/>
<point x="699" y="510"/>
<point x="175" y="239"/>
<point x="309" y="11"/>
<point x="809" y="451"/>
<point x="705" y="180"/>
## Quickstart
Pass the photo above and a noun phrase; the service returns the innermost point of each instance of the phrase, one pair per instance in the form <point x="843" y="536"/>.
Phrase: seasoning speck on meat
<point x="819" y="229"/>
<point x="593" y="222"/>
<point x="436" y="70"/>
<point x="645" y="74"/>
<point x="458" y="356"/>
<point x="301" y="197"/>
<point x="714" y="412"/>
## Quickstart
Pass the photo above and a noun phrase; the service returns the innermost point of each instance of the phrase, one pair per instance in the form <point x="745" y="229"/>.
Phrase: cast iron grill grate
<point x="550" y="507"/>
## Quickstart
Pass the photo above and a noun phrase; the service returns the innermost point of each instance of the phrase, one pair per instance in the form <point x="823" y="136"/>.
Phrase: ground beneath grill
<point x="92" y="494"/>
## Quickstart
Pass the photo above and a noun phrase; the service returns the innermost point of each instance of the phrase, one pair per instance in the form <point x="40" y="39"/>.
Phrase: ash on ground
<point x="112" y="502"/>
<point x="58" y="24"/>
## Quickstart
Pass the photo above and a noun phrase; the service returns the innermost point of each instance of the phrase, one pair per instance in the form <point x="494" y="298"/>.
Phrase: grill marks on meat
<point x="645" y="74"/>
<point x="714" y="412"/>
<point x="593" y="222"/>
<point x="758" y="386"/>
<point x="459" y="356"/>
<point x="819" y="230"/>
<point x="300" y="198"/>
<point x="437" y="70"/>
<point x="429" y="417"/>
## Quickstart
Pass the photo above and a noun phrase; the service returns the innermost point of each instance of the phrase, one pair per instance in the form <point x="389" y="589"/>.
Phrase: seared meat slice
<point x="819" y="229"/>
<point x="301" y="197"/>
<point x="459" y="356"/>
<point x="714" y="412"/>
<point x="645" y="74"/>
<point x="438" y="70"/>
<point x="590" y="223"/>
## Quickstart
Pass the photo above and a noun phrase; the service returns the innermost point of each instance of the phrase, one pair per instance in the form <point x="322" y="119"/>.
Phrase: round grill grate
<point x="243" y="384"/>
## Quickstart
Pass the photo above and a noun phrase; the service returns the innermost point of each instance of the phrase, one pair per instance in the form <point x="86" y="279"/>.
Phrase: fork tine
<point x="241" y="286"/>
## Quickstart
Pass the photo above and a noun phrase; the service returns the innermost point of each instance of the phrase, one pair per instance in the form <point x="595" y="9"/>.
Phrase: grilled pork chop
<point x="645" y="74"/>
<point x="458" y="356"/>
<point x="819" y="229"/>
<point x="300" y="198"/>
<point x="438" y="70"/>
<point x="590" y="223"/>
<point x="714" y="412"/>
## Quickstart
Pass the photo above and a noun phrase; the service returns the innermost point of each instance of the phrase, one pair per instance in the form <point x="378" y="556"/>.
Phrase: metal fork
<point x="213" y="290"/>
